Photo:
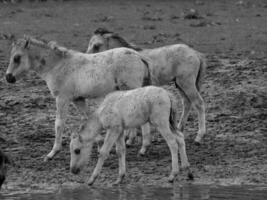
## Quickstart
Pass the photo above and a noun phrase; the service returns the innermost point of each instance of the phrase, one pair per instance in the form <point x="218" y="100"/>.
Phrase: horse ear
<point x="10" y="37"/>
<point x="28" y="40"/>
<point x="80" y="138"/>
<point x="26" y="45"/>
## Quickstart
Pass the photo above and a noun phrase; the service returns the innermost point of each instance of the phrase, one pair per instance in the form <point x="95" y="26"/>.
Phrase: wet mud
<point x="231" y="33"/>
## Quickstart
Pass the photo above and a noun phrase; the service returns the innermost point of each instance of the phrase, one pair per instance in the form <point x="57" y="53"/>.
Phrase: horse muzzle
<point x="75" y="170"/>
<point x="10" y="78"/>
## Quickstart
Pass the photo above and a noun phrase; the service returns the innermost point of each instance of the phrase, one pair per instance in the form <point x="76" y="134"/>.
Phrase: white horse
<point x="129" y="109"/>
<point x="179" y="63"/>
<point x="72" y="76"/>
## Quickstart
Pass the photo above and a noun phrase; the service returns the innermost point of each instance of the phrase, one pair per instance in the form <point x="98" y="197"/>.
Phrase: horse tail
<point x="202" y="70"/>
<point x="173" y="112"/>
<point x="147" y="78"/>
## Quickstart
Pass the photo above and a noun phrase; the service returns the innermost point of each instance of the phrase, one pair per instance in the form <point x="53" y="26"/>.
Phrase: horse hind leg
<point x="189" y="88"/>
<point x="131" y="134"/>
<point x="121" y="152"/>
<point x="81" y="106"/>
<point x="183" y="156"/>
<point x="186" y="108"/>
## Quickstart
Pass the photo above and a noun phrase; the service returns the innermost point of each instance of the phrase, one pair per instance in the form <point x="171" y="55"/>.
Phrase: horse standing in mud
<point x="72" y="76"/>
<point x="179" y="63"/>
<point x="4" y="161"/>
<point x="129" y="109"/>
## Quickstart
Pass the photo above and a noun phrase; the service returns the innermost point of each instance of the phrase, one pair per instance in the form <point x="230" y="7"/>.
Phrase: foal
<point x="72" y="76"/>
<point x="129" y="109"/>
<point x="3" y="167"/>
<point x="178" y="63"/>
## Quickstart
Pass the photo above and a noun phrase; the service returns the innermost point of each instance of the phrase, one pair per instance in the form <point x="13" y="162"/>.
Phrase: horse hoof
<point x="197" y="143"/>
<point x="128" y="145"/>
<point x="46" y="159"/>
<point x="141" y="154"/>
<point x="171" y="179"/>
<point x="90" y="182"/>
<point x="190" y="176"/>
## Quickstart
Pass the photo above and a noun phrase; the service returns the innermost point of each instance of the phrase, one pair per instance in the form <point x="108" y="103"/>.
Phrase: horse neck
<point x="92" y="129"/>
<point x="43" y="60"/>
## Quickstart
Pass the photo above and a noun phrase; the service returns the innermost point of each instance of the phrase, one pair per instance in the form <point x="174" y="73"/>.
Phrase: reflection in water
<point x="189" y="192"/>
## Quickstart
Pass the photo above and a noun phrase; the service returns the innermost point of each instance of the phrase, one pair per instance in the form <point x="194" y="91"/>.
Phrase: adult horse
<point x="72" y="76"/>
<point x="179" y="63"/>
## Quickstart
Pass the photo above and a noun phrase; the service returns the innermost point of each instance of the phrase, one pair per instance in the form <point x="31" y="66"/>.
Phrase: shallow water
<point x="189" y="192"/>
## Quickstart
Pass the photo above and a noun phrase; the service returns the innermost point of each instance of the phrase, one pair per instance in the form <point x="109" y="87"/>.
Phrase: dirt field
<point x="233" y="35"/>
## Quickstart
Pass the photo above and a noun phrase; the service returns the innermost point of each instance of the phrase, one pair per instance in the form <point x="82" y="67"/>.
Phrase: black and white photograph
<point x="133" y="99"/>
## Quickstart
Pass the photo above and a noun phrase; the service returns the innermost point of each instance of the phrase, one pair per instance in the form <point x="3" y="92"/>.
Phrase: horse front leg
<point x="111" y="137"/>
<point x="62" y="107"/>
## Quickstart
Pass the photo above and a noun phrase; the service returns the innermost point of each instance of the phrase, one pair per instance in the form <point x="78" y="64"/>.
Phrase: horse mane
<point x="116" y="36"/>
<point x="102" y="31"/>
<point x="52" y="45"/>
<point x="124" y="43"/>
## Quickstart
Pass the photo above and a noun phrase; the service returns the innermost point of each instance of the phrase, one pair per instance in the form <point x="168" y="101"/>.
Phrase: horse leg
<point x="131" y="135"/>
<point x="173" y="146"/>
<point x="80" y="105"/>
<point x="146" y="138"/>
<point x="121" y="151"/>
<point x="182" y="150"/>
<point x="197" y="101"/>
<point x="62" y="108"/>
<point x="186" y="107"/>
<point x="111" y="137"/>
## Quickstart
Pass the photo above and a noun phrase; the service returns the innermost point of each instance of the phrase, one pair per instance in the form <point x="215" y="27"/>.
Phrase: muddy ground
<point x="233" y="35"/>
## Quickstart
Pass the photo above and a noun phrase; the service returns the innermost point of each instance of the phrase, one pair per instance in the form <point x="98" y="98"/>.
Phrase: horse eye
<point x="17" y="59"/>
<point x="77" y="151"/>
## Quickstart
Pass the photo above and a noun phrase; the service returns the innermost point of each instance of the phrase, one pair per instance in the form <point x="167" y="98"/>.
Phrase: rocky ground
<point x="231" y="33"/>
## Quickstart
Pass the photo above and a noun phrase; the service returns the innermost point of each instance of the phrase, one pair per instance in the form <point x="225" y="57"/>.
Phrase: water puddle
<point x="189" y="192"/>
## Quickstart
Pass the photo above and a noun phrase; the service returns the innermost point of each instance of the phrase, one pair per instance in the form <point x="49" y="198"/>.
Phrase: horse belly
<point x="91" y="86"/>
<point x="135" y="115"/>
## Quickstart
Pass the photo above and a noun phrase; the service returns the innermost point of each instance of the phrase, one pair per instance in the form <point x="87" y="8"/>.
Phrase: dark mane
<point x="124" y="43"/>
<point x="102" y="31"/>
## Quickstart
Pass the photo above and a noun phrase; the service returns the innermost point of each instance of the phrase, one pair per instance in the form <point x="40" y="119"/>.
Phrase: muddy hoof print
<point x="190" y="176"/>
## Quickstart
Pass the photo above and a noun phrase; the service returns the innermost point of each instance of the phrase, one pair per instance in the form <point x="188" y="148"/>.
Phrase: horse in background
<point x="72" y="76"/>
<point x="123" y="110"/>
<point x="178" y="63"/>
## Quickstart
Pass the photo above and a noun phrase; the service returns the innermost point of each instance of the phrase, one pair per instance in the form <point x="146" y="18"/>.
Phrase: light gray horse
<point x="129" y="109"/>
<point x="179" y="63"/>
<point x="72" y="76"/>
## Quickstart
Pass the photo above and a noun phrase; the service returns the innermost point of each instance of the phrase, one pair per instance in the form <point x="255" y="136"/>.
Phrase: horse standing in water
<point x="72" y="76"/>
<point x="129" y="109"/>
<point x="179" y="63"/>
<point x="4" y="161"/>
